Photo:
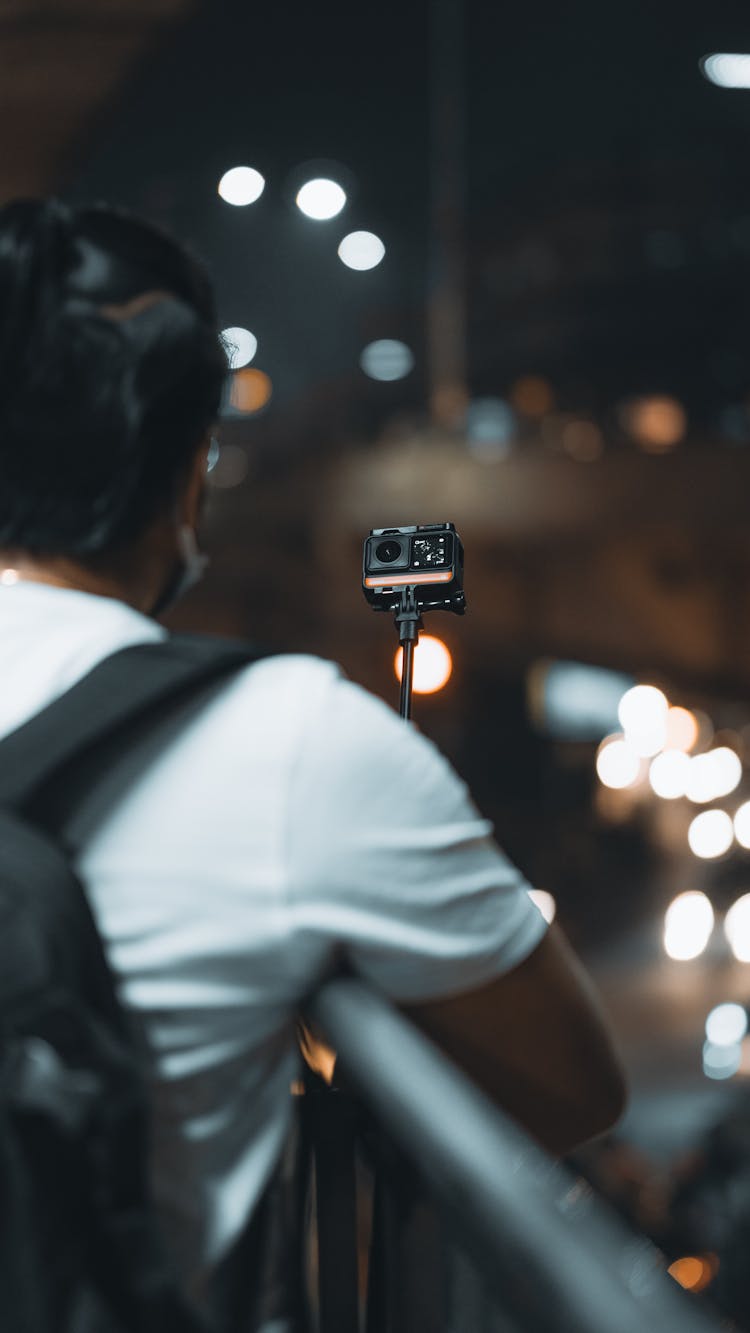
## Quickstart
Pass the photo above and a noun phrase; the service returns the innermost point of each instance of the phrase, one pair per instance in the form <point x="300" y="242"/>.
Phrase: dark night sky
<point x="589" y="127"/>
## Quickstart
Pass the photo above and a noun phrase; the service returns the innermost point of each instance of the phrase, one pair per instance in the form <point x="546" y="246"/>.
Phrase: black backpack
<point x="80" y="1250"/>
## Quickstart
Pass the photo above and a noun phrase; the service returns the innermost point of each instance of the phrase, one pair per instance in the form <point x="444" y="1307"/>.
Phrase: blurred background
<point x="488" y="264"/>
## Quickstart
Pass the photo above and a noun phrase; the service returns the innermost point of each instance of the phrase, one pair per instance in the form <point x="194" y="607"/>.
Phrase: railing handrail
<point x="556" y="1257"/>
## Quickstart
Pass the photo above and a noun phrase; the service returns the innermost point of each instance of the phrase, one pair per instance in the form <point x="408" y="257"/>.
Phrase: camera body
<point x="426" y="557"/>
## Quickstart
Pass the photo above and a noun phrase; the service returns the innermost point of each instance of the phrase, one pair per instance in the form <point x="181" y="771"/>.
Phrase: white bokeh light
<point x="214" y="454"/>
<point x="240" y="346"/>
<point x="728" y="767"/>
<point x="617" y="763"/>
<point x="726" y="1024"/>
<point x="642" y="708"/>
<point x="742" y="825"/>
<point x="643" y="717"/>
<point x="321" y="199"/>
<point x="701" y="779"/>
<point x="721" y="1061"/>
<point x="713" y="775"/>
<point x="668" y="774"/>
<point x="727" y="69"/>
<point x="688" y="923"/>
<point x="545" y="902"/>
<point x="386" y="360"/>
<point x="737" y="928"/>
<point x="490" y="427"/>
<point x="241" y="186"/>
<point x="711" y="834"/>
<point x="361" y="250"/>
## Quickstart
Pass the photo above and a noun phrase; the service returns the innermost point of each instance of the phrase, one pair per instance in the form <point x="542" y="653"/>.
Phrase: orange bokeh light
<point x="682" y="729"/>
<point x="433" y="665"/>
<point x="694" y="1271"/>
<point x="532" y="396"/>
<point x="657" y="423"/>
<point x="251" y="390"/>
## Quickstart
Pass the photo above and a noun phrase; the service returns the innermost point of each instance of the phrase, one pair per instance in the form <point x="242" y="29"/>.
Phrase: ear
<point x="196" y="485"/>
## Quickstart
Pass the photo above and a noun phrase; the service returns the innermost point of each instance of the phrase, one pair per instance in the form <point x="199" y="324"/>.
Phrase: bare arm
<point x="537" y="1043"/>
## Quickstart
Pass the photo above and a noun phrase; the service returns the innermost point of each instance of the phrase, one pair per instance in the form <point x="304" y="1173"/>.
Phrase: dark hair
<point x="102" y="405"/>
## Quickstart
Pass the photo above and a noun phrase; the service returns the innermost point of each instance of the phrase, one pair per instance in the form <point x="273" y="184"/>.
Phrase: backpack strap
<point x="132" y="685"/>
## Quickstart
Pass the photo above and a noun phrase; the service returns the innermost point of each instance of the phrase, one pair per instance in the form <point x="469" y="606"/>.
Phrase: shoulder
<point x="337" y="728"/>
<point x="318" y="685"/>
<point x="286" y="675"/>
<point x="280" y="694"/>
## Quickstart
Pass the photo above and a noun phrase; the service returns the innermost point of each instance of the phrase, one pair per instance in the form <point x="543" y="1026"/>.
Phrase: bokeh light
<point x="728" y="766"/>
<point x="682" y="729"/>
<point x="532" y="396"/>
<point x="545" y="902"/>
<point x="668" y="774"/>
<point x="688" y="923"/>
<point x="737" y="928"/>
<point x="490" y="427"/>
<point x="693" y="1272"/>
<point x="387" y="359"/>
<point x="241" y="186"/>
<point x="617" y="763"/>
<point x="656" y="423"/>
<point x="727" y="69"/>
<point x="240" y="346"/>
<point x="361" y="250"/>
<point x="583" y="441"/>
<point x="231" y="468"/>
<point x="433" y="665"/>
<point x="711" y="834"/>
<point x="742" y="825"/>
<point x="721" y="1061"/>
<point x="251" y="391"/>
<point x="9" y="577"/>
<point x="643" y="718"/>
<point x="713" y="775"/>
<point x="726" y="1024"/>
<point x="214" y="453"/>
<point x="321" y="199"/>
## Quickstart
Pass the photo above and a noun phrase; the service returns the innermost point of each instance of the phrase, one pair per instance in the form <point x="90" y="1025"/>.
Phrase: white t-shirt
<point x="295" y="813"/>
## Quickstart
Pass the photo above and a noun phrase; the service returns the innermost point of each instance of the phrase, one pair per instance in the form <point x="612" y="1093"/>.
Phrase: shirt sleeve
<point x="389" y="857"/>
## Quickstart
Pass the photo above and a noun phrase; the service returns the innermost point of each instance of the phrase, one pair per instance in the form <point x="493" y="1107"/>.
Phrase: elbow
<point x="603" y="1104"/>
<point x="609" y="1104"/>
<point x="596" y="1108"/>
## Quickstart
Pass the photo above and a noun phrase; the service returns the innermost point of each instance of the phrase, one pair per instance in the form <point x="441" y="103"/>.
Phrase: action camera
<point x="427" y="557"/>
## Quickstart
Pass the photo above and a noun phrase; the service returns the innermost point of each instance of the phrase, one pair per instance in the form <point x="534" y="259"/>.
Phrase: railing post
<point x="333" y="1126"/>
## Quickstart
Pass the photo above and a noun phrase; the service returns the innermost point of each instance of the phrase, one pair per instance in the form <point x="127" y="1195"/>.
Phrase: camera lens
<point x="388" y="551"/>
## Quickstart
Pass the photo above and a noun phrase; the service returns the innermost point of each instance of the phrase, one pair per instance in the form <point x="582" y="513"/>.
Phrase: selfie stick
<point x="407" y="615"/>
<point x="408" y="622"/>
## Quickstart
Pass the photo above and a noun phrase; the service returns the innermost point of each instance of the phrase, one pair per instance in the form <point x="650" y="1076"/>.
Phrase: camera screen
<point x="430" y="552"/>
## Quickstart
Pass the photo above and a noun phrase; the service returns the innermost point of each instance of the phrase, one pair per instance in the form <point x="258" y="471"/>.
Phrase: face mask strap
<point x="190" y="569"/>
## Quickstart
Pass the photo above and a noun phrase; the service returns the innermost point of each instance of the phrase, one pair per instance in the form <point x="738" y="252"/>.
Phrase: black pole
<point x="407" y="677"/>
<point x="409" y="623"/>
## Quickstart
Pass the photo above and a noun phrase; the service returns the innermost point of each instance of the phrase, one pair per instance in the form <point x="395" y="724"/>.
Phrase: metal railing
<point x="554" y="1257"/>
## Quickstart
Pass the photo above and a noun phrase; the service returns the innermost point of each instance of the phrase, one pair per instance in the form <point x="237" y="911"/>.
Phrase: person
<point x="293" y="816"/>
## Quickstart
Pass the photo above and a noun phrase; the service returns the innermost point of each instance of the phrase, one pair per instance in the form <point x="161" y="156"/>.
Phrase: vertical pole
<point x="409" y="623"/>
<point x="334" y="1128"/>
<point x="446" y="298"/>
<point x="407" y="676"/>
